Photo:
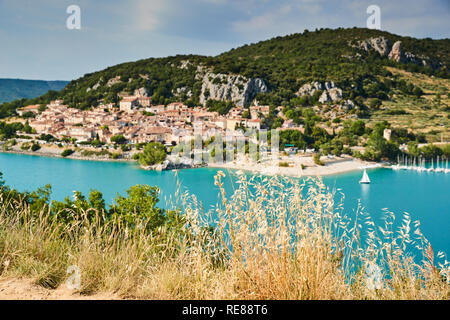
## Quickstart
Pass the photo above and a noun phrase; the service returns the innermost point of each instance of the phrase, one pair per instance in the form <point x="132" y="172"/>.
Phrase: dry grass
<point x="428" y="115"/>
<point x="274" y="239"/>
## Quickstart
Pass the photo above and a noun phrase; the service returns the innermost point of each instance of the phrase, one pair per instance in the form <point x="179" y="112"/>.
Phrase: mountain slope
<point x="351" y="58"/>
<point x="12" y="89"/>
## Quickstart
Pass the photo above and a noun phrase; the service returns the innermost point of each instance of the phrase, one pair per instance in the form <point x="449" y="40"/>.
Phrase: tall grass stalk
<point x="273" y="238"/>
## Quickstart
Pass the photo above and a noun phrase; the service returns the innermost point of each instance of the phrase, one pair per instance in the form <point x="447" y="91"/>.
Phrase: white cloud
<point x="270" y="19"/>
<point x="288" y="17"/>
<point x="147" y="15"/>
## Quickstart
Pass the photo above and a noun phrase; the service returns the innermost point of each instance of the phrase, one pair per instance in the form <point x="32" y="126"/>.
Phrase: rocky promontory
<point x="173" y="163"/>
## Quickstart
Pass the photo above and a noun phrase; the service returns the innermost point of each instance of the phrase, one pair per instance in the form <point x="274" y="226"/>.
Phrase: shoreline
<point x="343" y="165"/>
<point x="338" y="165"/>
<point x="58" y="156"/>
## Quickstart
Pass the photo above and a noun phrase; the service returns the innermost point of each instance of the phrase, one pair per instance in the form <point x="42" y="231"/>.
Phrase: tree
<point x="375" y="103"/>
<point x="430" y="151"/>
<point x="222" y="107"/>
<point x="119" y="139"/>
<point x="417" y="92"/>
<point x="316" y="158"/>
<point x="96" y="200"/>
<point x="153" y="153"/>
<point x="319" y="136"/>
<point x="139" y="207"/>
<point x="35" y="147"/>
<point x="27" y="128"/>
<point x="358" y="127"/>
<point x="46" y="137"/>
<point x="72" y="210"/>
<point x="379" y="148"/>
<point x="294" y="137"/>
<point x="67" y="152"/>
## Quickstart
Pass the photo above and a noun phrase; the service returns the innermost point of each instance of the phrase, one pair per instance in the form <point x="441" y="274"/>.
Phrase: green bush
<point x="35" y="147"/>
<point x="119" y="139"/>
<point x="25" y="146"/>
<point x="114" y="155"/>
<point x="316" y="158"/>
<point x="154" y="153"/>
<point x="67" y="152"/>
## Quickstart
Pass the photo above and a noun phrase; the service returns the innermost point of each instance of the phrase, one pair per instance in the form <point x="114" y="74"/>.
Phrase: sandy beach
<point x="335" y="165"/>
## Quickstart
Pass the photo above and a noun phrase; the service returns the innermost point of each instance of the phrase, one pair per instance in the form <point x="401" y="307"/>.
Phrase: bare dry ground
<point x="25" y="289"/>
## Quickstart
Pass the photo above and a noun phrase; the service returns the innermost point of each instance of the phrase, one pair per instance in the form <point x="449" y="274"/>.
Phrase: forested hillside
<point x="354" y="59"/>
<point x="13" y="89"/>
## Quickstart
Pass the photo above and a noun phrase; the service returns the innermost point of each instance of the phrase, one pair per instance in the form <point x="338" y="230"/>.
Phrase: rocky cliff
<point x="395" y="52"/>
<point x="330" y="93"/>
<point x="234" y="88"/>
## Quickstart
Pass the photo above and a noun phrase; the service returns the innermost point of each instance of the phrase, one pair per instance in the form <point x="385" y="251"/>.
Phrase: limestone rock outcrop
<point x="173" y="163"/>
<point x="141" y="92"/>
<point x="395" y="52"/>
<point x="230" y="87"/>
<point x="379" y="44"/>
<point x="113" y="81"/>
<point x="330" y="93"/>
<point x="183" y="91"/>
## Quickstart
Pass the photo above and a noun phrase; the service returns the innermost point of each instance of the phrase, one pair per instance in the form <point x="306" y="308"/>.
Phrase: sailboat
<point x="365" y="178"/>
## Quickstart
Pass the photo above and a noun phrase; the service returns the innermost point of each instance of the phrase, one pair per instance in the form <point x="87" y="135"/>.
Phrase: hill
<point x="299" y="70"/>
<point x="13" y="89"/>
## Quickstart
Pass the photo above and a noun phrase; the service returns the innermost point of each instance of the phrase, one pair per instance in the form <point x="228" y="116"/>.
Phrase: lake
<point x="424" y="195"/>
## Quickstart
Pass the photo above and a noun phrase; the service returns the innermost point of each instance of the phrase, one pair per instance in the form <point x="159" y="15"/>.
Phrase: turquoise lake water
<point x="425" y="196"/>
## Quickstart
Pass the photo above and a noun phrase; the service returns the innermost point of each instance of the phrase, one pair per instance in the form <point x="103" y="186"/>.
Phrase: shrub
<point x="67" y="152"/>
<point x="125" y="147"/>
<point x="114" y="155"/>
<point x="316" y="158"/>
<point x="347" y="150"/>
<point x="35" y="147"/>
<point x="25" y="146"/>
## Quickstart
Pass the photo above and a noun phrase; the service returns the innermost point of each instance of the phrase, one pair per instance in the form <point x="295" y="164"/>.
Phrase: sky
<point x="36" y="43"/>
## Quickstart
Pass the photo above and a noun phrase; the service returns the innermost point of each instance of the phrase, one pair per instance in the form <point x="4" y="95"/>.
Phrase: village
<point x="138" y="121"/>
<point x="97" y="133"/>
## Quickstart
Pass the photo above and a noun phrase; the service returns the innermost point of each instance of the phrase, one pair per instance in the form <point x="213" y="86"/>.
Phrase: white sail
<point x="365" y="178"/>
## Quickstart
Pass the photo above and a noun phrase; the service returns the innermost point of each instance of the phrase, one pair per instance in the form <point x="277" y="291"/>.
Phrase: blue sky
<point x="37" y="45"/>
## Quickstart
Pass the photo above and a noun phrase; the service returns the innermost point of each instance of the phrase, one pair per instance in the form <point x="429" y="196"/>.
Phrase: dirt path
<point x="25" y="289"/>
